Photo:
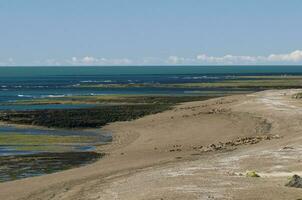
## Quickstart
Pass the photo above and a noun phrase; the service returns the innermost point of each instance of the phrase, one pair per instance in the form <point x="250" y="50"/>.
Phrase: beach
<point x="150" y="100"/>
<point x="197" y="150"/>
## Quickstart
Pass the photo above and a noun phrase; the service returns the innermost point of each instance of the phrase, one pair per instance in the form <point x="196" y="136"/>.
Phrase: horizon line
<point x="211" y="65"/>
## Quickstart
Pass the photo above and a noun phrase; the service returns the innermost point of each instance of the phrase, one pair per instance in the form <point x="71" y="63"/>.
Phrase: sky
<point x="145" y="32"/>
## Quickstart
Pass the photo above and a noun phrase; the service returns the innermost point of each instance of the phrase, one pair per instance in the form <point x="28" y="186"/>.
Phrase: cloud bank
<point x="294" y="57"/>
<point x="90" y="60"/>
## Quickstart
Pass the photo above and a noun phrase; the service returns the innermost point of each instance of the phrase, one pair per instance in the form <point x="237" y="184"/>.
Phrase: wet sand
<point x="198" y="150"/>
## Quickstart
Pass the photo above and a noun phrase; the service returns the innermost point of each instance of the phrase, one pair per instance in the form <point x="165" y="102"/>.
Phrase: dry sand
<point x="168" y="155"/>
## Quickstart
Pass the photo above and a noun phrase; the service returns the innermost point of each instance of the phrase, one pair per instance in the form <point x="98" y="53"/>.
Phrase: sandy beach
<point x="197" y="150"/>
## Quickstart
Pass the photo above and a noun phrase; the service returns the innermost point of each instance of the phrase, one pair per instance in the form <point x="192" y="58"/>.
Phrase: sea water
<point x="27" y="83"/>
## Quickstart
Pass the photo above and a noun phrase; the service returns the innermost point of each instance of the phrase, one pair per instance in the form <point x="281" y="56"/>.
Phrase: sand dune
<point x="198" y="150"/>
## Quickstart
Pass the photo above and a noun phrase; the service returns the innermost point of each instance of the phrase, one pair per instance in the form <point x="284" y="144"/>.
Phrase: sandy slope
<point x="159" y="156"/>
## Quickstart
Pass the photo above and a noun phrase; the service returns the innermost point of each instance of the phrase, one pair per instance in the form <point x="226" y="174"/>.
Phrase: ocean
<point x="26" y="83"/>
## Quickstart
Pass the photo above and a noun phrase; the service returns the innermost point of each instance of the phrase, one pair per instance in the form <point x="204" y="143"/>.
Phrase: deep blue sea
<point x="26" y="83"/>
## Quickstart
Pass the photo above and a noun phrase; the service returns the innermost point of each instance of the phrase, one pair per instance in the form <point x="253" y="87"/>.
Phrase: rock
<point x="294" y="181"/>
<point x="287" y="147"/>
<point x="252" y="174"/>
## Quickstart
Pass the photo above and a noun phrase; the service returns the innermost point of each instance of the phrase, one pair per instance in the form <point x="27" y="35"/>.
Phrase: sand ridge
<point x="165" y="156"/>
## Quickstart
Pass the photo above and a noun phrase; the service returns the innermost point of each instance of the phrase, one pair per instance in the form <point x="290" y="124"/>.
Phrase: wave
<point x="200" y="77"/>
<point x="44" y="96"/>
<point x="56" y="95"/>
<point x="108" y="81"/>
<point x="93" y="81"/>
<point x="89" y="81"/>
<point x="94" y="94"/>
<point x="26" y="96"/>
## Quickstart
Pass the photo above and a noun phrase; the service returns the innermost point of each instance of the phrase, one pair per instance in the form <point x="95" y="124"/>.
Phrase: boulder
<point x="294" y="181"/>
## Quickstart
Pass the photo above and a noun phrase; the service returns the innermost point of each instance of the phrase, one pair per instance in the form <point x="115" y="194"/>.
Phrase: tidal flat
<point x="33" y="151"/>
<point x="126" y="108"/>
<point x="44" y="141"/>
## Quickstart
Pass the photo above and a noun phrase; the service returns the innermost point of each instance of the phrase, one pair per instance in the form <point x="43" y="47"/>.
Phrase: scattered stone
<point x="287" y="147"/>
<point x="294" y="181"/>
<point x="217" y="111"/>
<point x="231" y="173"/>
<point x="252" y="174"/>
<point x="297" y="96"/>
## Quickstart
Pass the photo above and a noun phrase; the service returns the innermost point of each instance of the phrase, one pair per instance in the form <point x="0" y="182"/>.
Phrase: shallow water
<point x="23" y="166"/>
<point x="30" y="159"/>
<point x="21" y="149"/>
<point x="46" y="131"/>
<point x="44" y="106"/>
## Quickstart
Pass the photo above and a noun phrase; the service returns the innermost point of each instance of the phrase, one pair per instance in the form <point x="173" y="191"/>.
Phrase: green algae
<point x="252" y="174"/>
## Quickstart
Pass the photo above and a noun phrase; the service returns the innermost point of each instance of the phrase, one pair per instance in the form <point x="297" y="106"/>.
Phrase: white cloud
<point x="7" y="62"/>
<point x="180" y="60"/>
<point x="51" y="62"/>
<point x="293" y="57"/>
<point x="175" y="60"/>
<point x="227" y="59"/>
<point x="90" y="60"/>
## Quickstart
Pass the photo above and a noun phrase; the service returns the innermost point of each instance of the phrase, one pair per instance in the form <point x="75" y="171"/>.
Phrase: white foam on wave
<point x="89" y="81"/>
<point x="200" y="77"/>
<point x="23" y="95"/>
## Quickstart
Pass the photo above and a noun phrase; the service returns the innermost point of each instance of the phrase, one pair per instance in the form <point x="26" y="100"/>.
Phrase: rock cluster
<point x="217" y="110"/>
<point x="227" y="145"/>
<point x="236" y="142"/>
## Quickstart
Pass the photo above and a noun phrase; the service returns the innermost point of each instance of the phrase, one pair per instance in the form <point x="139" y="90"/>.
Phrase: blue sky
<point x="145" y="32"/>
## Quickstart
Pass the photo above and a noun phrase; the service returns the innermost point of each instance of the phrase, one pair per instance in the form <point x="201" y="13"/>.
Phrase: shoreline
<point x="163" y="149"/>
